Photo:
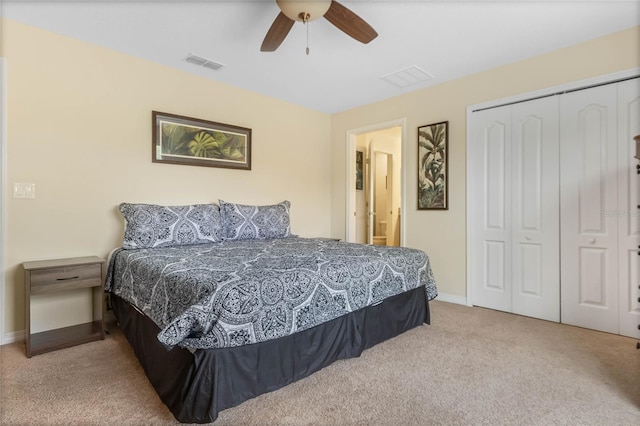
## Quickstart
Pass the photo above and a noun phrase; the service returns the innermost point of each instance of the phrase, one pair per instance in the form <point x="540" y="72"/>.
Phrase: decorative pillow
<point x="242" y="222"/>
<point x="150" y="225"/>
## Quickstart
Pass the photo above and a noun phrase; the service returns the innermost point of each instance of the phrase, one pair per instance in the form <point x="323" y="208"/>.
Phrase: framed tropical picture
<point x="433" y="159"/>
<point x="196" y="142"/>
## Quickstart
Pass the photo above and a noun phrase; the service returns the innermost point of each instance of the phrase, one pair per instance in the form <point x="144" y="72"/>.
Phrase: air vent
<point x="197" y="60"/>
<point x="407" y="76"/>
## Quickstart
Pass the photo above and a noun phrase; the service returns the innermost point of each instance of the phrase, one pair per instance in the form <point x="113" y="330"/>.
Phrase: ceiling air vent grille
<point x="197" y="60"/>
<point x="407" y="76"/>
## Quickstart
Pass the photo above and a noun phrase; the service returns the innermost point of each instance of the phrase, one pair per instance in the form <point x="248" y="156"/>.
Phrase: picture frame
<point x="433" y="167"/>
<point x="359" y="170"/>
<point x="191" y="141"/>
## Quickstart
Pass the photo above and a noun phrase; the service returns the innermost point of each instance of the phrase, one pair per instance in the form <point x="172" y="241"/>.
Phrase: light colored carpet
<point x="472" y="366"/>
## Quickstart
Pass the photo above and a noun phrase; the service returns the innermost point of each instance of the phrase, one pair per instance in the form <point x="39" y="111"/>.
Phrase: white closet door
<point x="628" y="201"/>
<point x="490" y="198"/>
<point x="536" y="209"/>
<point x="589" y="176"/>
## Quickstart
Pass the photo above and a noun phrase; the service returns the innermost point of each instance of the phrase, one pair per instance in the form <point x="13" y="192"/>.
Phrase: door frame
<point x="350" y="191"/>
<point x="3" y="179"/>
<point x="523" y="97"/>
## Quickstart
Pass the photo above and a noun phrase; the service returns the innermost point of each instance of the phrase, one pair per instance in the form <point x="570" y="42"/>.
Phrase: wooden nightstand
<point x="48" y="276"/>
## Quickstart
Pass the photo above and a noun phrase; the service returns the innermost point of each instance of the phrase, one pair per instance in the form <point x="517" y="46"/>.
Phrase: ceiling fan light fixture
<point x="304" y="11"/>
<point x="297" y="10"/>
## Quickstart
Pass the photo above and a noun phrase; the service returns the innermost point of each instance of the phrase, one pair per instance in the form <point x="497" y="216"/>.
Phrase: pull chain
<point x="305" y="20"/>
<point x="307" y="24"/>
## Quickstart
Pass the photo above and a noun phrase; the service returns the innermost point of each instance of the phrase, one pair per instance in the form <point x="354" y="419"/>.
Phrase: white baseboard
<point x="12" y="337"/>
<point x="459" y="300"/>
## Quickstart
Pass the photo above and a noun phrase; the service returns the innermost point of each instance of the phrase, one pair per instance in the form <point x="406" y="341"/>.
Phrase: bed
<point x="214" y="323"/>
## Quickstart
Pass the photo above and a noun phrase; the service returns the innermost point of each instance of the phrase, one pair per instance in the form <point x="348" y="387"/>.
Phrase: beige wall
<point x="79" y="127"/>
<point x="442" y="234"/>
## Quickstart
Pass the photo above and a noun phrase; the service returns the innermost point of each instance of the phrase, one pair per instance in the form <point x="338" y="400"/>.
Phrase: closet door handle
<point x="592" y="240"/>
<point x="528" y="238"/>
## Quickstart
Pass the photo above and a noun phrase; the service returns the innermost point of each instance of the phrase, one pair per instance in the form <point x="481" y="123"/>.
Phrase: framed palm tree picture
<point x="196" y="142"/>
<point x="432" y="166"/>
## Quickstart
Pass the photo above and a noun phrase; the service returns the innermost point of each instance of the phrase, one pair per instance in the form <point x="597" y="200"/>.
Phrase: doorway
<point x="375" y="184"/>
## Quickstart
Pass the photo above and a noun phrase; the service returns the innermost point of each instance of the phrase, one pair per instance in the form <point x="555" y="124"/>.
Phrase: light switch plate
<point x="24" y="190"/>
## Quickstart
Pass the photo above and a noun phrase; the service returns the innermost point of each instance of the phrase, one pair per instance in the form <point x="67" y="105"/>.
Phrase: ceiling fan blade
<point x="277" y="33"/>
<point x="350" y="23"/>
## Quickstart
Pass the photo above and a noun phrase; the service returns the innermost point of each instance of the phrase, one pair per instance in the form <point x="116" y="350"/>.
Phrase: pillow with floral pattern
<point x="246" y="222"/>
<point x="150" y="225"/>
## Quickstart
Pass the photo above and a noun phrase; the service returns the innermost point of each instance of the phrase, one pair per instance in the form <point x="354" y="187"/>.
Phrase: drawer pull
<point x="67" y="279"/>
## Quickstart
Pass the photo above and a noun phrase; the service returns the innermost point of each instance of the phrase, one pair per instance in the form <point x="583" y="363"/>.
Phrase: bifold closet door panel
<point x="490" y="209"/>
<point x="535" y="209"/>
<point x="628" y="201"/>
<point x="588" y="185"/>
<point x="514" y="200"/>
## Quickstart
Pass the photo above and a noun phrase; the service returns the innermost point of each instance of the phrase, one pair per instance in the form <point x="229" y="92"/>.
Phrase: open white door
<point x="389" y="211"/>
<point x="371" y="174"/>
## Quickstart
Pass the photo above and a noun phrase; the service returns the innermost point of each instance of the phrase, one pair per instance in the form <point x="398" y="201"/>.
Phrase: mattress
<point x="235" y="293"/>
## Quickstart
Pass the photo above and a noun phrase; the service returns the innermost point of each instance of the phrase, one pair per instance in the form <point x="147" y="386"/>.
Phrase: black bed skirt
<point x="197" y="386"/>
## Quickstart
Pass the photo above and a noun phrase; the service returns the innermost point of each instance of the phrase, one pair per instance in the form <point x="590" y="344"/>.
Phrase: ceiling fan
<point x="305" y="11"/>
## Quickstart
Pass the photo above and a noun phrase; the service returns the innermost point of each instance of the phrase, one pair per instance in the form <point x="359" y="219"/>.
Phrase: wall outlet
<point x="24" y="190"/>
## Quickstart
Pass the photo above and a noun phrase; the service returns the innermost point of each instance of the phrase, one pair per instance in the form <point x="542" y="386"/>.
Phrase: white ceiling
<point x="447" y="39"/>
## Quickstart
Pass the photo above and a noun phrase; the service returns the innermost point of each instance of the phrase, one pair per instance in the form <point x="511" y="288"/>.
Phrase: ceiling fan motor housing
<point x="298" y="10"/>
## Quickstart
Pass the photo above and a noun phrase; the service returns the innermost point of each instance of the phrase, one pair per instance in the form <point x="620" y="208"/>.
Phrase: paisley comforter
<point x="241" y="292"/>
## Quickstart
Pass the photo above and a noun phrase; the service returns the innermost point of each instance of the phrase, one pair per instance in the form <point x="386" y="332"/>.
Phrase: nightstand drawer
<point x="68" y="277"/>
